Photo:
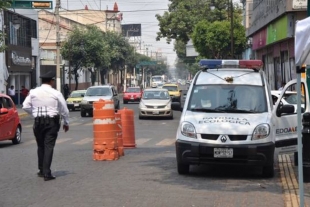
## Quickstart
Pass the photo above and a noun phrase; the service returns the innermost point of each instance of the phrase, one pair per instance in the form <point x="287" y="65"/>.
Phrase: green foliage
<point x="3" y="4"/>
<point x="212" y="40"/>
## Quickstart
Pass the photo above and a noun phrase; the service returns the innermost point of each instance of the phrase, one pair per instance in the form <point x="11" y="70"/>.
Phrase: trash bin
<point x="306" y="146"/>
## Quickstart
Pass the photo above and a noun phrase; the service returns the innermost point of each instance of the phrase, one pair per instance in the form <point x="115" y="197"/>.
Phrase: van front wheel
<point x="268" y="171"/>
<point x="183" y="169"/>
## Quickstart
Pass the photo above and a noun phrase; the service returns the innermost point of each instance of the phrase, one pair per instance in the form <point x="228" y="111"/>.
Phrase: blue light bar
<point x="210" y="63"/>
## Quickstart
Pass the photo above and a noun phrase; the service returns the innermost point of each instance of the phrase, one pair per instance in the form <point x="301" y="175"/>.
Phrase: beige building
<point x="106" y="20"/>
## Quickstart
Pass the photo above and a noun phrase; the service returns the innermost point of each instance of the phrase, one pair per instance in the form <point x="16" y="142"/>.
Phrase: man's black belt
<point x="44" y="120"/>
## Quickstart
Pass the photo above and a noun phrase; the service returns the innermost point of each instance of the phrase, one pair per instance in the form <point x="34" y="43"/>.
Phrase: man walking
<point x="47" y="106"/>
<point x="11" y="93"/>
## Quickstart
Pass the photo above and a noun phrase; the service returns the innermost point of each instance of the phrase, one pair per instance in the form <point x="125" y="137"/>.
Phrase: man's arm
<point x="63" y="109"/>
<point x="27" y="104"/>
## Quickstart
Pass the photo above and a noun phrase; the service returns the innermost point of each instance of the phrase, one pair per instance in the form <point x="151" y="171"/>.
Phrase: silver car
<point x="94" y="93"/>
<point x="155" y="102"/>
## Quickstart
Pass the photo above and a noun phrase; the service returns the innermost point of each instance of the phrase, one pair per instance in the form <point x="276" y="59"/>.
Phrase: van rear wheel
<point x="183" y="169"/>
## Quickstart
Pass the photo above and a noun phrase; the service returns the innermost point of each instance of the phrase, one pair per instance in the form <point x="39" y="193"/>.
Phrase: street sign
<point x="146" y="63"/>
<point x="36" y="4"/>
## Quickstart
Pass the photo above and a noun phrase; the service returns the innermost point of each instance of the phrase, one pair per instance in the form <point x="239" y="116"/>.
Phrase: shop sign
<point x="20" y="59"/>
<point x="259" y="39"/>
<point x="277" y="30"/>
<point x="299" y="4"/>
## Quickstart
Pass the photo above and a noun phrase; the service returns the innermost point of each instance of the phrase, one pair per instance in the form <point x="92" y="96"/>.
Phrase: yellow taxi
<point x="174" y="91"/>
<point x="75" y="98"/>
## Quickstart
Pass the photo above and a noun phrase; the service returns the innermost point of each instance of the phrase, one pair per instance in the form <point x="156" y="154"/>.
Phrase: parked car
<point x="10" y="126"/>
<point x="132" y="94"/>
<point x="75" y="98"/>
<point x="174" y="91"/>
<point x="94" y="93"/>
<point x="289" y="98"/>
<point x="155" y="102"/>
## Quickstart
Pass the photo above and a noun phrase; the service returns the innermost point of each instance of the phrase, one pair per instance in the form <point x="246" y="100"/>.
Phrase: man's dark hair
<point x="46" y="80"/>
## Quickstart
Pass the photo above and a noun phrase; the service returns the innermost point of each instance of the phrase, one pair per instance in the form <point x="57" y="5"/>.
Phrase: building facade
<point x="19" y="61"/>
<point x="106" y="20"/>
<point x="271" y="29"/>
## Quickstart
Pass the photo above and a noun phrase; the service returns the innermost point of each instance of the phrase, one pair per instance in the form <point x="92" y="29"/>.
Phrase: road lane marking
<point x="61" y="140"/>
<point x="288" y="180"/>
<point x="142" y="141"/>
<point x="83" y="141"/>
<point x="166" y="142"/>
<point x="74" y="124"/>
<point x="88" y="124"/>
<point x="27" y="126"/>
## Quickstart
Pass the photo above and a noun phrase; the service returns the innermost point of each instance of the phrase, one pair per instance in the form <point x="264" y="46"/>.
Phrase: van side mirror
<point x="285" y="109"/>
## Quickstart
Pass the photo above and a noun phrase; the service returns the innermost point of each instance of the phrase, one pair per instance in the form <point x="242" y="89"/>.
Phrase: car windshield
<point x="77" y="94"/>
<point x="133" y="90"/>
<point x="292" y="98"/>
<point x="98" y="92"/>
<point x="156" y="95"/>
<point x="156" y="79"/>
<point x="228" y="98"/>
<point x="171" y="88"/>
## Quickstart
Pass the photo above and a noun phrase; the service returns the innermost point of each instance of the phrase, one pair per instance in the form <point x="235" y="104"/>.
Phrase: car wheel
<point x="73" y="109"/>
<point x="140" y="117"/>
<point x="18" y="136"/>
<point x="183" y="169"/>
<point x="171" y="117"/>
<point x="125" y="102"/>
<point x="268" y="171"/>
<point x="83" y="113"/>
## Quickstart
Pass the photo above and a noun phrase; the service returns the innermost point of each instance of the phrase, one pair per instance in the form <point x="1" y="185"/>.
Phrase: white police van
<point x="229" y="118"/>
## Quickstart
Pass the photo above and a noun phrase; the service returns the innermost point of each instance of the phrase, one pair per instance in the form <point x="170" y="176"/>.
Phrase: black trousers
<point x="46" y="135"/>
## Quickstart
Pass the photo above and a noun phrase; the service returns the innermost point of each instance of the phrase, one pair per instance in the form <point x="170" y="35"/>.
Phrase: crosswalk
<point x="140" y="142"/>
<point x="64" y="138"/>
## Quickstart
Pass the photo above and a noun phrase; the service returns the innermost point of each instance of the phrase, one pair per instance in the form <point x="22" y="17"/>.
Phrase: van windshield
<point x="228" y="98"/>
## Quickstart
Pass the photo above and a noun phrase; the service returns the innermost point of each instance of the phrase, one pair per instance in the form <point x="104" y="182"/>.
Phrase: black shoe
<point x="49" y="177"/>
<point x="40" y="174"/>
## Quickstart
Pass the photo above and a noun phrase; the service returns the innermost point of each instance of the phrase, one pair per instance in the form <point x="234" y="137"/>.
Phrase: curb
<point x="288" y="180"/>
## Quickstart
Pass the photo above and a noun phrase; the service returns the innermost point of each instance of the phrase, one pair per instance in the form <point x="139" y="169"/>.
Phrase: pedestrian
<point x="11" y="93"/>
<point x="66" y="91"/>
<point x="282" y="86"/>
<point x="24" y="93"/>
<point x="47" y="106"/>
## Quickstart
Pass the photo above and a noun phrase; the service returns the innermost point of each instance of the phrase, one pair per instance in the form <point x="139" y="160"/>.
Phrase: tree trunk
<point x="102" y="76"/>
<point x="76" y="78"/>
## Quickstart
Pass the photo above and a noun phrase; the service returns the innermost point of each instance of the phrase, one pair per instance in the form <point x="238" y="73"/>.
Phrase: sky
<point x="134" y="13"/>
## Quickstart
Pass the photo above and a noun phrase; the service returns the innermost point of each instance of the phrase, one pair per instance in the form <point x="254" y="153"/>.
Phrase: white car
<point x="289" y="98"/>
<point x="155" y="102"/>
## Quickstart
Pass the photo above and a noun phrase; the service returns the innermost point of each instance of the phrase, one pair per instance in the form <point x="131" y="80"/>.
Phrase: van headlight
<point x="188" y="130"/>
<point x="69" y="102"/>
<point x="261" y="131"/>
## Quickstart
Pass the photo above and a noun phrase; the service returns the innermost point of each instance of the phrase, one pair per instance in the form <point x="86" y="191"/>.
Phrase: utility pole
<point x="106" y="20"/>
<point x="58" y="86"/>
<point x="232" y="28"/>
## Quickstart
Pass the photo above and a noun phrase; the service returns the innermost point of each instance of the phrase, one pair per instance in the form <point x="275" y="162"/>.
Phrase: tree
<point x="3" y="4"/>
<point x="212" y="40"/>
<point x="182" y="16"/>
<point x="73" y="50"/>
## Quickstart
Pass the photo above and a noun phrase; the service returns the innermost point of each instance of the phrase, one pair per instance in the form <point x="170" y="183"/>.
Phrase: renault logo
<point x="223" y="138"/>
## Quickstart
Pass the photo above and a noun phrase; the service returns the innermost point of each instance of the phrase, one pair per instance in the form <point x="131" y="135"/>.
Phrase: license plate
<point x="223" y="152"/>
<point x="155" y="112"/>
<point x="76" y="105"/>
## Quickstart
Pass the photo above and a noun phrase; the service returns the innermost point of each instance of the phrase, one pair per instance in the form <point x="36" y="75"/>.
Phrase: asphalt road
<point x="145" y="176"/>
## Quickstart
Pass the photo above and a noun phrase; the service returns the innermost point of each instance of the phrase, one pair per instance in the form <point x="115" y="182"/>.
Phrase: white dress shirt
<point x="11" y="92"/>
<point x="45" y="100"/>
